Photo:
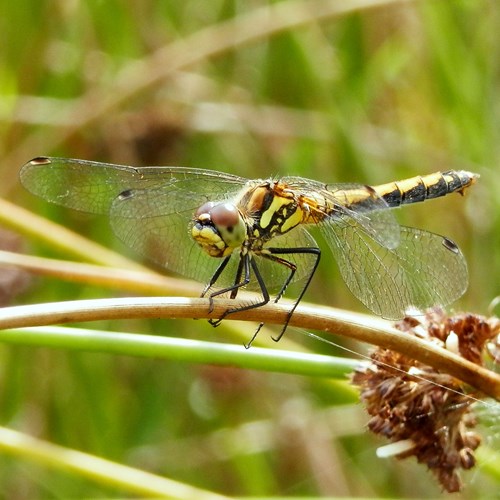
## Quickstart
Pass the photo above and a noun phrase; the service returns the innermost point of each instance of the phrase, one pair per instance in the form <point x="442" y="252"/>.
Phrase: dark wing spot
<point x="124" y="195"/>
<point x="450" y="245"/>
<point x="40" y="160"/>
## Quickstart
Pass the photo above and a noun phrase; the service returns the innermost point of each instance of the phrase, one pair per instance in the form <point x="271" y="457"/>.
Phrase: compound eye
<point x="205" y="208"/>
<point x="225" y="215"/>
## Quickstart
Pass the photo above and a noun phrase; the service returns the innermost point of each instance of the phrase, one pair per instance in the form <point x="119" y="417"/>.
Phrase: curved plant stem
<point x="355" y="326"/>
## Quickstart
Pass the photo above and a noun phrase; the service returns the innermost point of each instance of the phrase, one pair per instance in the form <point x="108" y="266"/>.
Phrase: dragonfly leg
<point x="293" y="269"/>
<point x="213" y="279"/>
<point x="290" y="251"/>
<point x="249" y="263"/>
<point x="272" y="255"/>
<point x="233" y="289"/>
<point x="242" y="278"/>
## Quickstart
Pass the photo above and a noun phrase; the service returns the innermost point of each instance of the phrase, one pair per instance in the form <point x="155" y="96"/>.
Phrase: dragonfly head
<point x="218" y="228"/>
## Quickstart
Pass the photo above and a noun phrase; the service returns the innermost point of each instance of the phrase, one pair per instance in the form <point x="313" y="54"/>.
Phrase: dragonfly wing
<point x="379" y="223"/>
<point x="150" y="208"/>
<point x="156" y="223"/>
<point x="355" y="202"/>
<point x="424" y="270"/>
<point x="91" y="187"/>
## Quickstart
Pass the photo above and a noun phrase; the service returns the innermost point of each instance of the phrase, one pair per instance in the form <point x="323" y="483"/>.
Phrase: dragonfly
<point x="235" y="233"/>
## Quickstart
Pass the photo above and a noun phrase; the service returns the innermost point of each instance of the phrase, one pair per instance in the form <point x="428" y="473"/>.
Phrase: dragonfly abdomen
<point x="425" y="187"/>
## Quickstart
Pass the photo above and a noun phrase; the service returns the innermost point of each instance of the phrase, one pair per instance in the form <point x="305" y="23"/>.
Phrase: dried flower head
<point x="423" y="412"/>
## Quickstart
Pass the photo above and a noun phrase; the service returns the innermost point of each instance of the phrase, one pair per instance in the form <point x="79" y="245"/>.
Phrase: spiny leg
<point x="212" y="281"/>
<point x="246" y="262"/>
<point x="243" y="263"/>
<point x="272" y="255"/>
<point x="293" y="269"/>
<point x="234" y="288"/>
<point x="287" y="251"/>
<point x="253" y="305"/>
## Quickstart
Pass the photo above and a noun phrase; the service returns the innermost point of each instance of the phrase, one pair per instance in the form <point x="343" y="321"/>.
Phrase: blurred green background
<point x="367" y="96"/>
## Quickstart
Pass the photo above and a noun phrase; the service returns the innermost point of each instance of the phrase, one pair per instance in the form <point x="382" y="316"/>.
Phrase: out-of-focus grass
<point x="369" y="96"/>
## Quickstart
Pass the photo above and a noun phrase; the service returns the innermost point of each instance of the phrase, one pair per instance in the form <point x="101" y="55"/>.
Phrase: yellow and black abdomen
<point x="425" y="187"/>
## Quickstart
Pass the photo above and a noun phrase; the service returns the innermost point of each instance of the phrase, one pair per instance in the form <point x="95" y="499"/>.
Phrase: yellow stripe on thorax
<point x="278" y="203"/>
<point x="292" y="220"/>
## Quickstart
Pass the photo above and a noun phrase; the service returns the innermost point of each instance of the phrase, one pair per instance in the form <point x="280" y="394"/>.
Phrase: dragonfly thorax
<point x="274" y="210"/>
<point x="218" y="228"/>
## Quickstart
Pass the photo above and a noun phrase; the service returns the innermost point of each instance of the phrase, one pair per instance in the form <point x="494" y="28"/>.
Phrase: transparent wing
<point x="91" y="187"/>
<point x="151" y="209"/>
<point x="156" y="224"/>
<point x="357" y="202"/>
<point x="424" y="270"/>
